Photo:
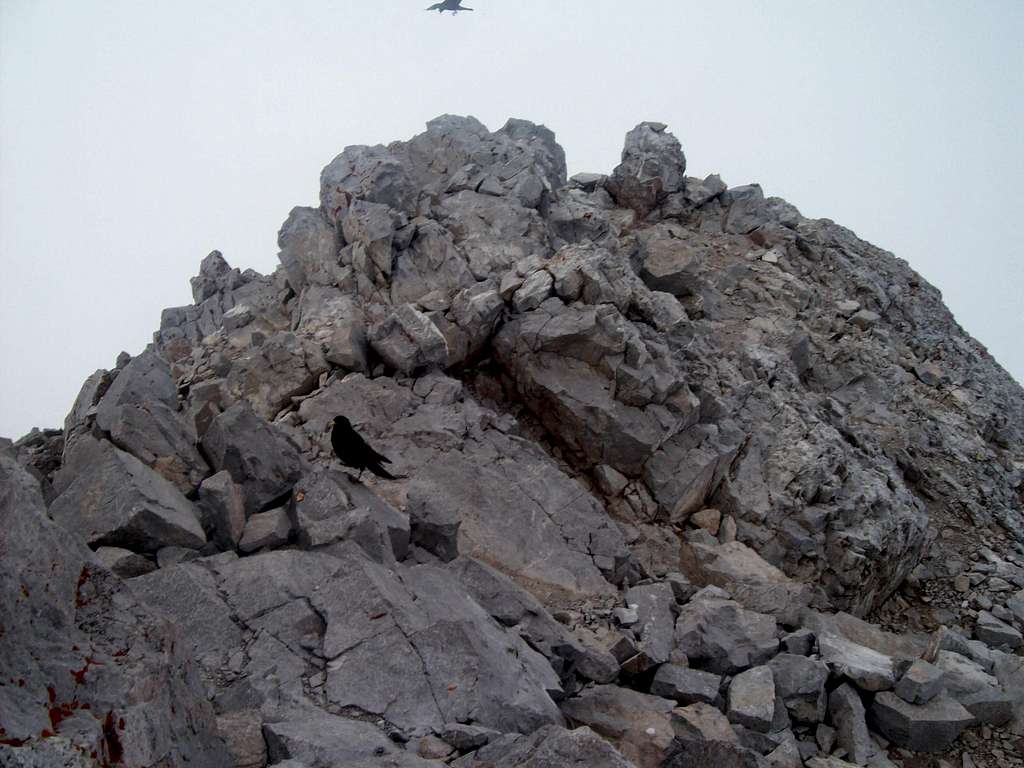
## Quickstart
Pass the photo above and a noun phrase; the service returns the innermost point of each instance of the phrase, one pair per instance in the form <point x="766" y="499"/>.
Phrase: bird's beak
<point x="330" y="424"/>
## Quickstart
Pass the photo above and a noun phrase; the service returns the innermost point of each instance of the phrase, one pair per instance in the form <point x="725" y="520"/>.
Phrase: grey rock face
<point x="930" y="727"/>
<point x="266" y="530"/>
<point x="653" y="167"/>
<point x="309" y="249"/>
<point x="259" y="458"/>
<point x="123" y="503"/>
<point x="94" y="665"/>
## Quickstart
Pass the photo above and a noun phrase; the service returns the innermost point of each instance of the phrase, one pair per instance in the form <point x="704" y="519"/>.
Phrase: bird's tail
<point x="379" y="471"/>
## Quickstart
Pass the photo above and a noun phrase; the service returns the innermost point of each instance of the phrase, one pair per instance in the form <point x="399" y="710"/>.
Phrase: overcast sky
<point x="135" y="137"/>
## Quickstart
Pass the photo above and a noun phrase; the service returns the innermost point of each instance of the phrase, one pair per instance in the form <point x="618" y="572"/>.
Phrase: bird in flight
<point x="449" y="5"/>
<point x="353" y="451"/>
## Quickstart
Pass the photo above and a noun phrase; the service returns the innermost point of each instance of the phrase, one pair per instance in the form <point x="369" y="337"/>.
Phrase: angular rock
<point x="433" y="526"/>
<point x="686" y="686"/>
<point x="655" y="628"/>
<point x="258" y="456"/>
<point x="846" y="710"/>
<point x="328" y="507"/>
<point x="309" y="249"/>
<point x="704" y="736"/>
<point x="801" y="684"/>
<point x="752" y="582"/>
<point x="869" y="670"/>
<point x="723" y="637"/>
<point x="466" y="737"/>
<point x="124" y="562"/>
<point x="653" y="167"/>
<point x="800" y="642"/>
<point x="222" y="510"/>
<point x="920" y="684"/>
<point x="120" y="502"/>
<point x="408" y="341"/>
<point x="243" y="734"/>
<point x="930" y="727"/>
<point x="994" y="632"/>
<point x="266" y="530"/>
<point x="752" y="699"/>
<point x="979" y="692"/>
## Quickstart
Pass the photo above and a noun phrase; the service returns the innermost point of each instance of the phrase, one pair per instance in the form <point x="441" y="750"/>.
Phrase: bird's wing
<point x="380" y="457"/>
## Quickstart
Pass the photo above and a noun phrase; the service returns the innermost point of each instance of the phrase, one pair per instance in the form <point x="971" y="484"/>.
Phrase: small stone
<point x="800" y="642"/>
<point x="962" y="583"/>
<point x="267" y="529"/>
<point x="772" y="256"/>
<point x="848" y="307"/>
<point x="865" y="318"/>
<point x="610" y="481"/>
<point x="708" y="519"/>
<point x="433" y="748"/>
<point x="727" y="530"/>
<point x="626" y="617"/>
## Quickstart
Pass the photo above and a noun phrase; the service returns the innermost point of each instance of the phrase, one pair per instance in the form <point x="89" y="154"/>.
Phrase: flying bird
<point x="449" y="5"/>
<point x="353" y="451"/>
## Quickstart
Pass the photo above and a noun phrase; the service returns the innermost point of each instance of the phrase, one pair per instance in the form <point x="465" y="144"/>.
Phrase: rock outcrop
<point x="682" y="477"/>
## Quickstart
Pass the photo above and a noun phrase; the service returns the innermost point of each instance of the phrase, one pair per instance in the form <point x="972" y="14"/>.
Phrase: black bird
<point x="449" y="5"/>
<point x="353" y="450"/>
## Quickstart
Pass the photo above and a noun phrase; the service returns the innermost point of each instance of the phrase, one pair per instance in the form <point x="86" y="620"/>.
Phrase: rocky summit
<point x="683" y="478"/>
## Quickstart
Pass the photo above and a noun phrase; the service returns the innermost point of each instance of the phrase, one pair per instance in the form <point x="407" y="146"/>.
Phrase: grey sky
<point x="135" y="137"/>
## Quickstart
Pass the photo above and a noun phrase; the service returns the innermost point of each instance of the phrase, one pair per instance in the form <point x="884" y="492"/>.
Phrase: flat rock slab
<point x="996" y="633"/>
<point x="869" y="670"/>
<point x="931" y="727"/>
<point x="685" y="685"/>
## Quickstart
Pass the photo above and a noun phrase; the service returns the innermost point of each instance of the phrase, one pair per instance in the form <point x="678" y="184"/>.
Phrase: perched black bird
<point x="449" y="5"/>
<point x="353" y="450"/>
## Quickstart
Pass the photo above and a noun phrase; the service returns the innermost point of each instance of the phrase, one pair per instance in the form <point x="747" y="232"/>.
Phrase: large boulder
<point x="721" y="636"/>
